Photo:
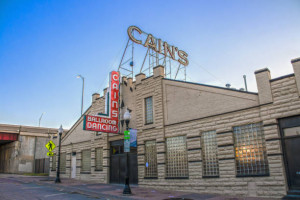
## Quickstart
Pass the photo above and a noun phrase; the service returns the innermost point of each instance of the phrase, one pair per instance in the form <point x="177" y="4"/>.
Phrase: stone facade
<point x="189" y="109"/>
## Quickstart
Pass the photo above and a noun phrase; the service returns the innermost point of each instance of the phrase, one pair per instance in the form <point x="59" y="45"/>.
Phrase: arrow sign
<point x="50" y="153"/>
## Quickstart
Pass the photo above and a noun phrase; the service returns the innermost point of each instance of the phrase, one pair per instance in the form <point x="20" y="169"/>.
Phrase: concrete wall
<point x="8" y="153"/>
<point x="26" y="154"/>
<point x="19" y="156"/>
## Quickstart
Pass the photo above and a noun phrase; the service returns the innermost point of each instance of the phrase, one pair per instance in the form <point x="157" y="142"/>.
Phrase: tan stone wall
<point x="284" y="102"/>
<point x="202" y="101"/>
<point x="96" y="176"/>
<point x="77" y="140"/>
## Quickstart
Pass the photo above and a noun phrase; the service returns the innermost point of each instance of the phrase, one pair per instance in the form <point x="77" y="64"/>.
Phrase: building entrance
<point x="118" y="163"/>
<point x="290" y="135"/>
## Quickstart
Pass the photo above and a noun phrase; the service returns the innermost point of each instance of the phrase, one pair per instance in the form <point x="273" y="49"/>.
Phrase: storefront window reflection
<point x="250" y="150"/>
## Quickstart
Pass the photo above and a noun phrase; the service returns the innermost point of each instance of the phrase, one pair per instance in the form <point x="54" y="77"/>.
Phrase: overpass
<point x="22" y="148"/>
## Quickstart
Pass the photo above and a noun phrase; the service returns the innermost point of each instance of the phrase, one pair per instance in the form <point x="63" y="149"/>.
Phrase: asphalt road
<point x="18" y="187"/>
<point x="13" y="189"/>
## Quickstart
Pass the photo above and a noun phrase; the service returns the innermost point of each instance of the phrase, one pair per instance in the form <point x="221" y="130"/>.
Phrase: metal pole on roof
<point x="82" y="78"/>
<point x="41" y="119"/>
<point x="245" y="81"/>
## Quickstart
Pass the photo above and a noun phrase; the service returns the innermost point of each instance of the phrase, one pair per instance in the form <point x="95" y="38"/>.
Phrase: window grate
<point x="149" y="110"/>
<point x="99" y="159"/>
<point x="177" y="163"/>
<point x="150" y="159"/>
<point x="250" y="150"/>
<point x="86" y="160"/>
<point x="209" y="154"/>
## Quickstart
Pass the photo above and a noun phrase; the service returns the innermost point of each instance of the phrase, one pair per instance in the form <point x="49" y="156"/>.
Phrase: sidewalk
<point x="112" y="191"/>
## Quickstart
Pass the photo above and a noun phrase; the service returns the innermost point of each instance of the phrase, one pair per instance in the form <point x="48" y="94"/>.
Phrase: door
<point x="118" y="163"/>
<point x="133" y="176"/>
<point x="73" y="165"/>
<point x="290" y="134"/>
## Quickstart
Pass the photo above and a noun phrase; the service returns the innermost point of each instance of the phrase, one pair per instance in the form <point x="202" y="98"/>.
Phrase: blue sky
<point x="45" y="44"/>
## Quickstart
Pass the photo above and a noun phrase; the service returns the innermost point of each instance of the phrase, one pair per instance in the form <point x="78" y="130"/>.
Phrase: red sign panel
<point x="8" y="136"/>
<point x="108" y="122"/>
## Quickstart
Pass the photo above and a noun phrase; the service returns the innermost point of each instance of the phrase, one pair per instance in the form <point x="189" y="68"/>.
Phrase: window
<point x="86" y="161"/>
<point x="53" y="168"/>
<point x="99" y="159"/>
<point x="209" y="154"/>
<point x="250" y="150"/>
<point x="148" y="110"/>
<point x="150" y="159"/>
<point x="176" y="165"/>
<point x="62" y="163"/>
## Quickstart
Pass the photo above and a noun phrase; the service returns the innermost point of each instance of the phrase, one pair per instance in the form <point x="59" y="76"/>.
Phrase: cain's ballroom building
<point x="195" y="137"/>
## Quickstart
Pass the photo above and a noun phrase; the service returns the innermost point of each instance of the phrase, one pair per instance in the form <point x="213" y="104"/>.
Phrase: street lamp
<point x="60" y="131"/>
<point x="41" y="119"/>
<point x="127" y="189"/>
<point x="79" y="76"/>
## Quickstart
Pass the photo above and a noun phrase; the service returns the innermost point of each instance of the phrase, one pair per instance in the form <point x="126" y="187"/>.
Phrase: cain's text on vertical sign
<point x="109" y="121"/>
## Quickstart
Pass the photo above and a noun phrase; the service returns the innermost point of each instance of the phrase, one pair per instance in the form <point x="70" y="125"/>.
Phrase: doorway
<point x="290" y="136"/>
<point x="73" y="165"/>
<point x="118" y="163"/>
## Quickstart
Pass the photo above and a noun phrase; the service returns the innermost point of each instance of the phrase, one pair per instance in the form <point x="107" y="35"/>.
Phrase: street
<point x="19" y="187"/>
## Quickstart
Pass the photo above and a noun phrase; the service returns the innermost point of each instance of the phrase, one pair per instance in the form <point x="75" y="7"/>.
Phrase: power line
<point x="207" y="71"/>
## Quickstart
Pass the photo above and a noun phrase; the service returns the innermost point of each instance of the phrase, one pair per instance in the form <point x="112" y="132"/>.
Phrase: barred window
<point x="250" y="150"/>
<point x="209" y="154"/>
<point x="150" y="159"/>
<point x="148" y="110"/>
<point x="62" y="167"/>
<point x="99" y="159"/>
<point x="53" y="168"/>
<point x="177" y="163"/>
<point x="86" y="160"/>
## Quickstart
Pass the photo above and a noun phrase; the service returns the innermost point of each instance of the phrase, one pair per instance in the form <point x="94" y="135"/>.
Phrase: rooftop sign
<point x="159" y="46"/>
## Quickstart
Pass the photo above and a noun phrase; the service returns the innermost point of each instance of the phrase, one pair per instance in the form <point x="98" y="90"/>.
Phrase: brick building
<point x="196" y="137"/>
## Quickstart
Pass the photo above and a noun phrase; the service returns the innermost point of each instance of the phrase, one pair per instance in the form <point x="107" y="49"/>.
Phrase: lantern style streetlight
<point x="127" y="189"/>
<point x="60" y="131"/>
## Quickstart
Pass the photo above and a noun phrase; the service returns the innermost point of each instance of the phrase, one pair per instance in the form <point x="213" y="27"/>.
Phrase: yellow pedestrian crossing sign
<point x="50" y="145"/>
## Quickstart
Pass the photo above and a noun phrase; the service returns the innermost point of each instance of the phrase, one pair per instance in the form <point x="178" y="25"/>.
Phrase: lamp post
<point x="41" y="119"/>
<point x="79" y="76"/>
<point x="60" y="131"/>
<point x="127" y="189"/>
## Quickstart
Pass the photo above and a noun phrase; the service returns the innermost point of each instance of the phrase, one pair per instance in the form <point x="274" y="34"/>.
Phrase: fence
<point x="42" y="165"/>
